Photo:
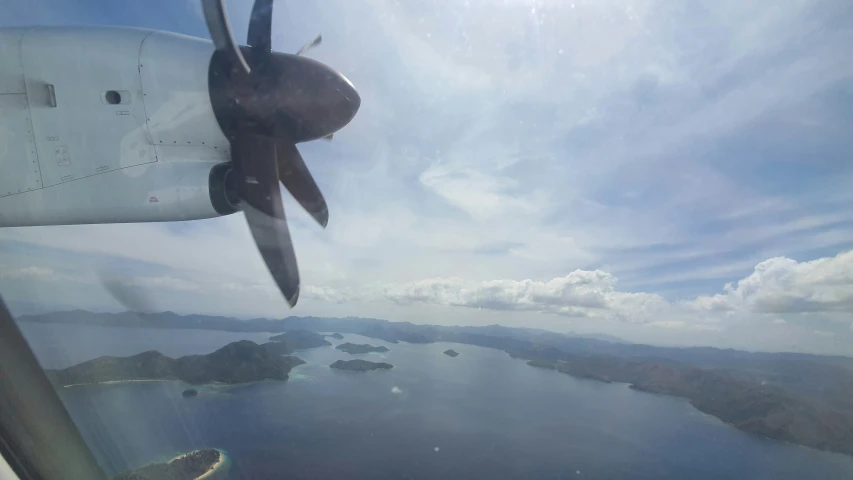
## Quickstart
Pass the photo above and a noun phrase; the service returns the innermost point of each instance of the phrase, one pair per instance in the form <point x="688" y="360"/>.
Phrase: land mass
<point x="237" y="362"/>
<point x="355" y="348"/>
<point x="193" y="465"/>
<point x="299" y="340"/>
<point x="800" y="398"/>
<point x="451" y="353"/>
<point x="336" y="336"/>
<point x="190" y="392"/>
<point x="758" y="409"/>
<point x="360" y="365"/>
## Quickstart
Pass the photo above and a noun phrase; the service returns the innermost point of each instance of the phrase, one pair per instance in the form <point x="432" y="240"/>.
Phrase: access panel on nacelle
<point x="85" y="100"/>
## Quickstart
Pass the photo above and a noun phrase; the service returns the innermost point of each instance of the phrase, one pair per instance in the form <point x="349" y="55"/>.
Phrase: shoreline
<point x="116" y="382"/>
<point x="215" y="467"/>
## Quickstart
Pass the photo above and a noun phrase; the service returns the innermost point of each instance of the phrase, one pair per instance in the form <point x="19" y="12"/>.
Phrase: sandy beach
<point x="213" y="469"/>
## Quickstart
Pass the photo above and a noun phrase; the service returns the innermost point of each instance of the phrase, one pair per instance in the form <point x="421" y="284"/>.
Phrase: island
<point x="299" y="340"/>
<point x="360" y="365"/>
<point x="190" y="392"/>
<point x="237" y="362"/>
<point x="451" y="353"/>
<point x="355" y="348"/>
<point x="200" y="464"/>
<point x="336" y="336"/>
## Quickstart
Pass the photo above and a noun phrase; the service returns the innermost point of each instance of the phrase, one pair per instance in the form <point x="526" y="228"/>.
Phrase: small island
<point x="299" y="340"/>
<point x="200" y="464"/>
<point x="190" y="392"/>
<point x="336" y="336"/>
<point x="237" y="362"/>
<point x="355" y="348"/>
<point x="360" y="365"/>
<point x="451" y="353"/>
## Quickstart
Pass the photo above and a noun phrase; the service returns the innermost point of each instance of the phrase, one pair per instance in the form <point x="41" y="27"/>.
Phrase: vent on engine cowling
<point x="223" y="190"/>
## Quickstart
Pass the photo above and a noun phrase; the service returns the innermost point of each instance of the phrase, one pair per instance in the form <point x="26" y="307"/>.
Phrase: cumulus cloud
<point x="776" y="286"/>
<point x="581" y="293"/>
<point x="783" y="285"/>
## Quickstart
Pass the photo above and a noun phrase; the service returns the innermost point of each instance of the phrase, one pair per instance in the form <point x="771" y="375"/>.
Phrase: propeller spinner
<point x="266" y="102"/>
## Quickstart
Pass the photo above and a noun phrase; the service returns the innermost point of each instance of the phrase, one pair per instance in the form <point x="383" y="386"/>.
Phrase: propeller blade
<point x="254" y="158"/>
<point x="296" y="178"/>
<point x="220" y="32"/>
<point x="260" y="26"/>
<point x="313" y="43"/>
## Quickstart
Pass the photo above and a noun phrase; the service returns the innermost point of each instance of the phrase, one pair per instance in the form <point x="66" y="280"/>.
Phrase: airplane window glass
<point x="426" y="239"/>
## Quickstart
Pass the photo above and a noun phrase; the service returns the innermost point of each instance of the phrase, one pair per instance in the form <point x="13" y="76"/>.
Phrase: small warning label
<point x="62" y="157"/>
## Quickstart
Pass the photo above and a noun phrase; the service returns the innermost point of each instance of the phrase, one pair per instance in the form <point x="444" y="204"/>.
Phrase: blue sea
<point x="479" y="415"/>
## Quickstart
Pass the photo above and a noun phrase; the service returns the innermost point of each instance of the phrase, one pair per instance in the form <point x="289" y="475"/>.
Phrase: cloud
<point x="164" y="281"/>
<point x="41" y="273"/>
<point x="783" y="285"/>
<point x="479" y="194"/>
<point x="581" y="293"/>
<point x="776" y="286"/>
<point x="681" y="325"/>
<point x="824" y="333"/>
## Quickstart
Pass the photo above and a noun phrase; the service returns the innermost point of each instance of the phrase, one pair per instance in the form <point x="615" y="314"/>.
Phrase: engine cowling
<point x="108" y="125"/>
<point x="156" y="192"/>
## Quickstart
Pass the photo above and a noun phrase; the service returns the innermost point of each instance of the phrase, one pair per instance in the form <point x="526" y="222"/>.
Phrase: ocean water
<point x="479" y="415"/>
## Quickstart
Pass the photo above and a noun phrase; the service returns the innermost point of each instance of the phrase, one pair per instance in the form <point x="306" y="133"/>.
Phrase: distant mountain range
<point x="231" y="324"/>
<point x="801" y="398"/>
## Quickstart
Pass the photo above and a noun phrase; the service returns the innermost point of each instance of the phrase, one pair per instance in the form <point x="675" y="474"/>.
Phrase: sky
<point x="668" y="172"/>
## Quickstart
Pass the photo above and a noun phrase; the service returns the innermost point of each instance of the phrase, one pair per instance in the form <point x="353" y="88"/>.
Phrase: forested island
<point x="360" y="365"/>
<point x="293" y="340"/>
<point x="451" y="353"/>
<point x="237" y="362"/>
<point x="355" y="348"/>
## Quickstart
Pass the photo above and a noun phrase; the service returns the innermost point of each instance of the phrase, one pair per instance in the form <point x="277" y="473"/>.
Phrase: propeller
<point x="266" y="102"/>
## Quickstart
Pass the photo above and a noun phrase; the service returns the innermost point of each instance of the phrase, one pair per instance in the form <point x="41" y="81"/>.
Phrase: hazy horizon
<point x="18" y="312"/>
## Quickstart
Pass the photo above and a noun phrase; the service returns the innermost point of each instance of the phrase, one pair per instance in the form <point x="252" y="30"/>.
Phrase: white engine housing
<point x="104" y="125"/>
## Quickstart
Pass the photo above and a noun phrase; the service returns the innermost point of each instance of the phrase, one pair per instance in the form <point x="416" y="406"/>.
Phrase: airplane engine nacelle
<point x="108" y="125"/>
<point x="145" y="193"/>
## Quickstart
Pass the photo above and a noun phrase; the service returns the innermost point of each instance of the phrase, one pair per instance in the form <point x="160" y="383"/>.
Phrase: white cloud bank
<point x="782" y="285"/>
<point x="776" y="286"/>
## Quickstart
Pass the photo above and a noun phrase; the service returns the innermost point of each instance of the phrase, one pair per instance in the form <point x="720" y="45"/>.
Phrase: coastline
<point x="116" y="382"/>
<point x="216" y="467"/>
<point x="220" y="464"/>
